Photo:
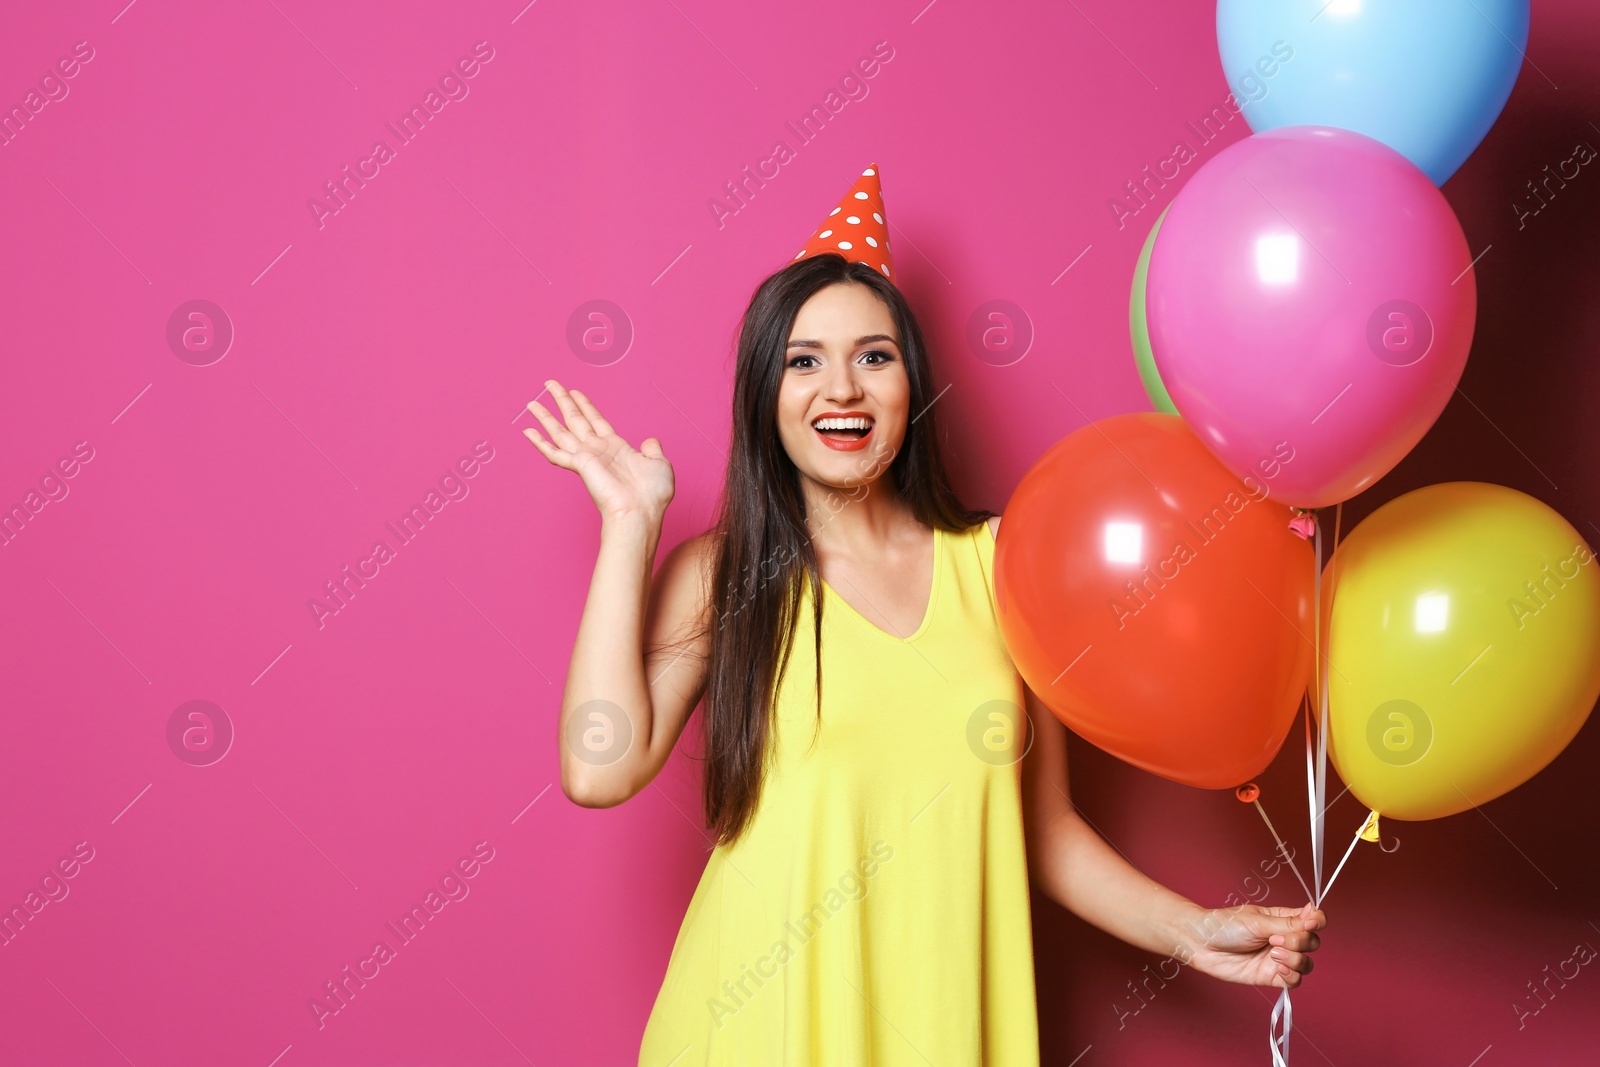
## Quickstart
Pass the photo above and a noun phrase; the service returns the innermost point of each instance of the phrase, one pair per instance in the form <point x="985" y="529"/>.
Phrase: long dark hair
<point x="762" y="544"/>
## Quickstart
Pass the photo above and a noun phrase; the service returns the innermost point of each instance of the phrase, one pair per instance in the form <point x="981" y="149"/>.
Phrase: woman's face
<point x="843" y="359"/>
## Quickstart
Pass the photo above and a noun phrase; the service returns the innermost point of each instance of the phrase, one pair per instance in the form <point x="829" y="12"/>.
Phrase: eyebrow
<point x="859" y="341"/>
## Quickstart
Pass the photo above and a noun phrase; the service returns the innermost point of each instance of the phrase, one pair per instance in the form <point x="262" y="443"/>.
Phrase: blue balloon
<point x="1426" y="77"/>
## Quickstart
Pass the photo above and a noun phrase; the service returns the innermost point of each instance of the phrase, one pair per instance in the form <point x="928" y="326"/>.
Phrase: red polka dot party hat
<point x="855" y="229"/>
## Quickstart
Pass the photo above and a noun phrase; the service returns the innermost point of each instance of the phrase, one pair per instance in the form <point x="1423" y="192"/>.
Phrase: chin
<point x="851" y="470"/>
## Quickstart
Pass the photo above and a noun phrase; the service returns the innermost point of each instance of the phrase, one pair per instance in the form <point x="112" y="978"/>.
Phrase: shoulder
<point x="701" y="546"/>
<point x="983" y="544"/>
<point x="685" y="574"/>
<point x="986" y="554"/>
<point x="975" y="535"/>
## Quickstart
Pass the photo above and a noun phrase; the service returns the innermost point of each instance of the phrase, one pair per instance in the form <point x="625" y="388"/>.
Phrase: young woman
<point x="879" y="808"/>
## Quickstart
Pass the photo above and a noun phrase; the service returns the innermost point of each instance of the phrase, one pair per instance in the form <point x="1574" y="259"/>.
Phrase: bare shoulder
<point x="677" y="640"/>
<point x="685" y="574"/>
<point x="699" y="548"/>
<point x="680" y="594"/>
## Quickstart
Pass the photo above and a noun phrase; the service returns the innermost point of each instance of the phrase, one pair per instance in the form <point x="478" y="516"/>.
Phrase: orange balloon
<point x="1158" y="605"/>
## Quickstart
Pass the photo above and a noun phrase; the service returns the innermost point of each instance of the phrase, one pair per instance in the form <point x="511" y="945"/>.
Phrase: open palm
<point x="621" y="480"/>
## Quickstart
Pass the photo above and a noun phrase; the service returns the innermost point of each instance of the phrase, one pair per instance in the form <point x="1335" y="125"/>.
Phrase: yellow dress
<point x="875" y="911"/>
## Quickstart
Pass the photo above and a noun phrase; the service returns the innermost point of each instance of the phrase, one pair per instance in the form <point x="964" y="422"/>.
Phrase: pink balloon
<point x="1310" y="302"/>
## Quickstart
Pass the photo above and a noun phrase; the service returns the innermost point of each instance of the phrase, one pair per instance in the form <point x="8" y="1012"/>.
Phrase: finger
<point x="577" y="422"/>
<point x="1280" y="924"/>
<point x="552" y="426"/>
<point x="555" y="455"/>
<point x="652" y="448"/>
<point x="1297" y="940"/>
<point x="590" y="412"/>
<point x="1306" y="917"/>
<point x="1294" y="961"/>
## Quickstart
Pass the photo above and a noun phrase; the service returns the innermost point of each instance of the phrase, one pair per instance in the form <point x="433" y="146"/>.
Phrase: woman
<point x="877" y="813"/>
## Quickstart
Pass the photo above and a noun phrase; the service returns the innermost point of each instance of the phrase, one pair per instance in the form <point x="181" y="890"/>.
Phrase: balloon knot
<point x="1304" y="524"/>
<point x="1247" y="793"/>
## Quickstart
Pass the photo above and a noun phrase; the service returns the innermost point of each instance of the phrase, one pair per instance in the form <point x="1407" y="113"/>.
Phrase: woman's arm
<point x="638" y="661"/>
<point x="1078" y="869"/>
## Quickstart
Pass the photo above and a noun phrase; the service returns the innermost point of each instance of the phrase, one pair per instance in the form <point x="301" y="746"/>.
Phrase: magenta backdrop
<point x="381" y="348"/>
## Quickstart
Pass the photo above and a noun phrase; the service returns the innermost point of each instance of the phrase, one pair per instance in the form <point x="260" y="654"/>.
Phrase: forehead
<point x="841" y="313"/>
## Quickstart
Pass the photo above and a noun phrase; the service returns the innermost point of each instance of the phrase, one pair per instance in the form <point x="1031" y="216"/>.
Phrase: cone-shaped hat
<point x="856" y="229"/>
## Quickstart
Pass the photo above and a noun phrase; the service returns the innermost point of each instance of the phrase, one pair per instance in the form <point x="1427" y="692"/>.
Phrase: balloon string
<point x="1347" y="852"/>
<point x="1322" y="716"/>
<point x="1319" y="707"/>
<point x="1324" y="663"/>
<point x="1283" y="849"/>
<point x="1279" y="1043"/>
<point x="1311" y="780"/>
<point x="1316" y="775"/>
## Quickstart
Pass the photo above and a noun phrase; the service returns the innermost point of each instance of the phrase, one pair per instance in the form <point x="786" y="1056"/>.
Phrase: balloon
<point x="1425" y="77"/>
<point x="1155" y="603"/>
<point x="1465" y="647"/>
<point x="1142" y="356"/>
<point x="1312" y="300"/>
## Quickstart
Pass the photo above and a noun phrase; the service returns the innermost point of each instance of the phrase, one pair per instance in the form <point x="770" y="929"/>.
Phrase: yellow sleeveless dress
<point x="875" y="911"/>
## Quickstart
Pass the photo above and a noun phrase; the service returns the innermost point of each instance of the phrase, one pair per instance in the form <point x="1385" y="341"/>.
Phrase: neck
<point x="856" y="520"/>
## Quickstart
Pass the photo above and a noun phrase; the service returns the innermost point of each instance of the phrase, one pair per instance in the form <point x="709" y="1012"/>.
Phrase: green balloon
<point x="1140" y="330"/>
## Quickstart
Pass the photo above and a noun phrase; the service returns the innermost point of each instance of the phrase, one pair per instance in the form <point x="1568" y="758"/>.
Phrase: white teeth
<point x="843" y="424"/>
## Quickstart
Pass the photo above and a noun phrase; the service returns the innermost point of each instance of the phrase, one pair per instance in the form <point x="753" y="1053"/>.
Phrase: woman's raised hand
<point x="621" y="480"/>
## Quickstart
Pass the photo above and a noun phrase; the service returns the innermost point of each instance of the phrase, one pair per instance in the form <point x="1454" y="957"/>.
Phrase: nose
<point x="842" y="382"/>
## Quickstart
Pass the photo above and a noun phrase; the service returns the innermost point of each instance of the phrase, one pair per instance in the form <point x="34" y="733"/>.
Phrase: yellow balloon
<point x="1463" y="647"/>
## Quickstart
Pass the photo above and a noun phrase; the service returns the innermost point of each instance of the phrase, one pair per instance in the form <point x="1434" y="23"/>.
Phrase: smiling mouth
<point x="843" y="431"/>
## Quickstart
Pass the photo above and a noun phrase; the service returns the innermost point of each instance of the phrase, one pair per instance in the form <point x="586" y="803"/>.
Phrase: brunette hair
<point x="761" y="543"/>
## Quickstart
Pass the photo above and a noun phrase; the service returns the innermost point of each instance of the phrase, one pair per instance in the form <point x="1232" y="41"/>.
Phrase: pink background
<point x="374" y="352"/>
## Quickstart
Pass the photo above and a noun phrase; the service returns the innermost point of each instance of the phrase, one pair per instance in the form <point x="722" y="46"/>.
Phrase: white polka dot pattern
<point x="867" y="239"/>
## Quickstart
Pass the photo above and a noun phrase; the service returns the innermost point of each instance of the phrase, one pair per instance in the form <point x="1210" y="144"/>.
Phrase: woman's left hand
<point x="1257" y="946"/>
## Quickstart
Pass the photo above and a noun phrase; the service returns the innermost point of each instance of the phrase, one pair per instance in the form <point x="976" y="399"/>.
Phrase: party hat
<point x="855" y="229"/>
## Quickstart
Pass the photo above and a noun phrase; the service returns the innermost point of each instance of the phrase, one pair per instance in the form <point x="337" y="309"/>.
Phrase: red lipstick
<point x="845" y="444"/>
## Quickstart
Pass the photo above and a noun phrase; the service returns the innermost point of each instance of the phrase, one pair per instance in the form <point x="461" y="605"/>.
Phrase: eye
<point x="888" y="357"/>
<point x="795" y="361"/>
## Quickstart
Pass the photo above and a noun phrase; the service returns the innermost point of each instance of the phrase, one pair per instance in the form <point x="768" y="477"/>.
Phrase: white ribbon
<point x="1280" y="1044"/>
<point x="1316" y="788"/>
